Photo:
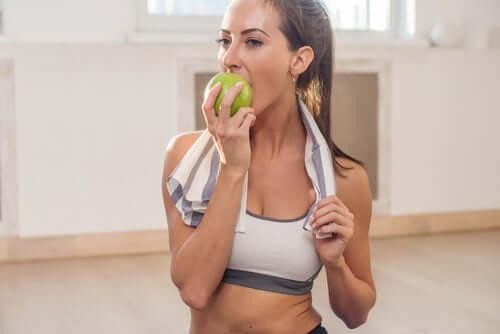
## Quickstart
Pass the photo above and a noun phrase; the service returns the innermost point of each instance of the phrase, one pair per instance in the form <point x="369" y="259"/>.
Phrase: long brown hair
<point x="306" y="22"/>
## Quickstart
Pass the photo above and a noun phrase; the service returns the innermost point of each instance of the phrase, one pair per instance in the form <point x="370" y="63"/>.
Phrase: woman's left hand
<point x="331" y="216"/>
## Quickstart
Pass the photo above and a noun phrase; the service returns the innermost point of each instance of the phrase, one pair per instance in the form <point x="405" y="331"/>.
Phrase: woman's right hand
<point x="232" y="134"/>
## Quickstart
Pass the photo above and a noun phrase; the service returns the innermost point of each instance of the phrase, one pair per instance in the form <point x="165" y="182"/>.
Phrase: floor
<point x="446" y="283"/>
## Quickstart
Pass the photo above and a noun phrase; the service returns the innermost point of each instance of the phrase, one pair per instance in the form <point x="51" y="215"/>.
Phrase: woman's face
<point x="252" y="46"/>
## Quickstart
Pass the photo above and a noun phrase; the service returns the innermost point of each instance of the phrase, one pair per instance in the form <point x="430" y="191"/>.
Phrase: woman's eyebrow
<point x="246" y="31"/>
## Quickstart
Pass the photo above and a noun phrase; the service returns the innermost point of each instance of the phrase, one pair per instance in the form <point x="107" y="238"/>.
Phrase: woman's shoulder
<point x="178" y="146"/>
<point x="182" y="142"/>
<point x="184" y="139"/>
<point x="355" y="176"/>
<point x="348" y="166"/>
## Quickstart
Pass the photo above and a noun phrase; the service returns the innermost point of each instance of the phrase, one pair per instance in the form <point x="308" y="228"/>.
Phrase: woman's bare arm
<point x="200" y="255"/>
<point x="351" y="285"/>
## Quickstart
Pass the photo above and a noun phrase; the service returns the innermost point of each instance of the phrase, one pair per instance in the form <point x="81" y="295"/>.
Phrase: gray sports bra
<point x="275" y="255"/>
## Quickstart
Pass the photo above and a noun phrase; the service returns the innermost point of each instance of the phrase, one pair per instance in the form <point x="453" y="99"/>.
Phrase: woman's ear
<point x="301" y="60"/>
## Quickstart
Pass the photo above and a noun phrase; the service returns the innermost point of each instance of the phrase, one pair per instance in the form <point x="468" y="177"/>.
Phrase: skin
<point x="264" y="60"/>
<point x="276" y="169"/>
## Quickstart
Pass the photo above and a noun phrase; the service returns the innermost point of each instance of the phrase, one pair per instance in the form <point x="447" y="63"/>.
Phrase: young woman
<point x="284" y="48"/>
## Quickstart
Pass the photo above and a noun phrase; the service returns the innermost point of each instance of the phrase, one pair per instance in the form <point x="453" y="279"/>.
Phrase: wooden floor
<point x="448" y="283"/>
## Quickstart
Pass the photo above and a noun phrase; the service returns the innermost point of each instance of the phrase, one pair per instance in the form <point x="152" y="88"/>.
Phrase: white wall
<point x="445" y="111"/>
<point x="92" y="123"/>
<point x="93" y="119"/>
<point x="445" y="117"/>
<point x="69" y="20"/>
<point x="472" y="16"/>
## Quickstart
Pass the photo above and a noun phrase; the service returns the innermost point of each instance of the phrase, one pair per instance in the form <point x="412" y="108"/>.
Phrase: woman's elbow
<point x="359" y="321"/>
<point x="191" y="293"/>
<point x="355" y="324"/>
<point x="194" y="298"/>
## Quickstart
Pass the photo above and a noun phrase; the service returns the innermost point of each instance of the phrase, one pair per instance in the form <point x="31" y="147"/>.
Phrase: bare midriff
<point x="235" y="309"/>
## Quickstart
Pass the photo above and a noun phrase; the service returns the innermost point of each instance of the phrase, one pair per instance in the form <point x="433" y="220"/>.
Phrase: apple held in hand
<point x="227" y="80"/>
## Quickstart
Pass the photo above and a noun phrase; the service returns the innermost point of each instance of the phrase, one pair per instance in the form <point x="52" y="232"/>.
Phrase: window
<point x="187" y="7"/>
<point x="360" y="14"/>
<point x="390" y="17"/>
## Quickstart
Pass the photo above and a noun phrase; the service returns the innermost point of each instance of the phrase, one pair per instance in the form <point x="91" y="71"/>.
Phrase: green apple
<point x="227" y="80"/>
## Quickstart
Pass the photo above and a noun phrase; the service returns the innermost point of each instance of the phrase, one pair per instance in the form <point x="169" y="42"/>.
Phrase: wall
<point x="94" y="117"/>
<point x="474" y="18"/>
<point x="69" y="20"/>
<point x="92" y="123"/>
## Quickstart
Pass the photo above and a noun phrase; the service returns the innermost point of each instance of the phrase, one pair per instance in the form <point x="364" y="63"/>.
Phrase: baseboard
<point x="83" y="245"/>
<point x="149" y="242"/>
<point x="425" y="224"/>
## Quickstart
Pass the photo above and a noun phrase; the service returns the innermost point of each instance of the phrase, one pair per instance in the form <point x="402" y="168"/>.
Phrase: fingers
<point x="331" y="199"/>
<point x="208" y="107"/>
<point x="242" y="114"/>
<point x="224" y="119"/>
<point x="334" y="217"/>
<point x="338" y="229"/>
<point x="227" y="101"/>
<point x="325" y="209"/>
<point x="330" y="214"/>
<point x="248" y="122"/>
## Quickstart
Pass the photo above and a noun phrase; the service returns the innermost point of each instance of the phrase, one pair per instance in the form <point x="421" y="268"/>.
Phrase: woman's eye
<point x="225" y="42"/>
<point x="222" y="41"/>
<point x="254" y="42"/>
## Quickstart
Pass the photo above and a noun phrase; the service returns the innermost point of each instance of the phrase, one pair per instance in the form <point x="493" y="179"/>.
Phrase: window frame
<point x="2" y="30"/>
<point x="204" y="28"/>
<point x="8" y="173"/>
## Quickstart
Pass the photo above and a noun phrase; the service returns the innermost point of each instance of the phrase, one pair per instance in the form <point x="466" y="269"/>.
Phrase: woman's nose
<point x="231" y="59"/>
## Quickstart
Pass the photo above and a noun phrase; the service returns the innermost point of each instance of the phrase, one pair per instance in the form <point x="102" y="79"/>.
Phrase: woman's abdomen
<point x="235" y="309"/>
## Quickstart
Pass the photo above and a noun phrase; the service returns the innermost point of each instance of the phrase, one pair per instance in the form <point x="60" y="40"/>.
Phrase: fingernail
<point x="239" y="84"/>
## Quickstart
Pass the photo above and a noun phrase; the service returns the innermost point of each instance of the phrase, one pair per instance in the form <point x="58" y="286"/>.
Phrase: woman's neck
<point x="278" y="131"/>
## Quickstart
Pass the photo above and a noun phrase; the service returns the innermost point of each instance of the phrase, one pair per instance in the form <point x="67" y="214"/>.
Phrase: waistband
<point x="318" y="330"/>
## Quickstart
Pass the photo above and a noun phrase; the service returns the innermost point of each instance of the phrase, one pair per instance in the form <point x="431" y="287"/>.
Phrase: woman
<point x="284" y="49"/>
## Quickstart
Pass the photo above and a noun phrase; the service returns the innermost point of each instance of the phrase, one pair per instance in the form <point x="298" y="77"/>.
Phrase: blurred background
<point x="92" y="91"/>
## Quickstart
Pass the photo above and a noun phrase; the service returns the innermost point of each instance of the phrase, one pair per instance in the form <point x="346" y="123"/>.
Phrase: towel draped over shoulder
<point x="193" y="181"/>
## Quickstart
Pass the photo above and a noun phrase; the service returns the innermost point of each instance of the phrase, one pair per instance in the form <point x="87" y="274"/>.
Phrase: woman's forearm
<point x="200" y="263"/>
<point x="350" y="298"/>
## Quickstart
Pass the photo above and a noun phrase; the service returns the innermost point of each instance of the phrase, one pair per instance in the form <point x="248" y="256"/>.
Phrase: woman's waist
<point x="237" y="309"/>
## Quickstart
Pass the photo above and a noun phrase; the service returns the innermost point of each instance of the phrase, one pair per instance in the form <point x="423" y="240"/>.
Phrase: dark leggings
<point x="318" y="330"/>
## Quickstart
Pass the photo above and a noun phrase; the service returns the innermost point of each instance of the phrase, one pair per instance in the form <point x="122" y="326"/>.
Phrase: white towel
<point x="192" y="182"/>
